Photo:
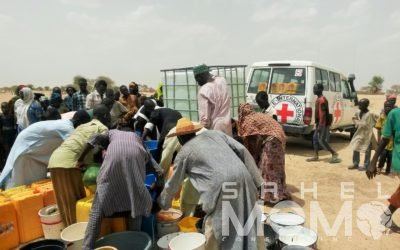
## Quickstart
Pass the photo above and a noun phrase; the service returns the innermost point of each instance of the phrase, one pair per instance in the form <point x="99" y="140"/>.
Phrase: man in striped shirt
<point x="121" y="187"/>
<point x="79" y="98"/>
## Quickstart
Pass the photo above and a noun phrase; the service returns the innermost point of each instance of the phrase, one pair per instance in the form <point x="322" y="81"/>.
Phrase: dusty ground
<point x="328" y="179"/>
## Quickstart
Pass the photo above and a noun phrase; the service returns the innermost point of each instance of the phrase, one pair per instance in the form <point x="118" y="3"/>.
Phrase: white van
<point x="289" y="85"/>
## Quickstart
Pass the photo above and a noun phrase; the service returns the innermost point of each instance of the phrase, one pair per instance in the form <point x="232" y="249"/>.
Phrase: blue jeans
<point x="367" y="158"/>
<point x="320" y="137"/>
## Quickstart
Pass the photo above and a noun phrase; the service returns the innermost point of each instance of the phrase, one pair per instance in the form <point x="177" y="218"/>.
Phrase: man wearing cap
<point x="212" y="161"/>
<point x="213" y="100"/>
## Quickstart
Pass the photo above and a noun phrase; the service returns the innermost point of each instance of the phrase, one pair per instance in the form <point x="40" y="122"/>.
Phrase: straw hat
<point x="184" y="127"/>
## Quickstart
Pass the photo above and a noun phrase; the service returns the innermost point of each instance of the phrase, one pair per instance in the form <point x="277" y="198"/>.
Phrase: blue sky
<point x="47" y="42"/>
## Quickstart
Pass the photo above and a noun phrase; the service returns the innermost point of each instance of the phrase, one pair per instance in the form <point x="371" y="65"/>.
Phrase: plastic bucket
<point x="45" y="245"/>
<point x="74" y="235"/>
<point x="164" y="241"/>
<point x="128" y="240"/>
<point x="167" y="221"/>
<point x="51" y="221"/>
<point x="106" y="248"/>
<point x="188" y="241"/>
<point x="298" y="236"/>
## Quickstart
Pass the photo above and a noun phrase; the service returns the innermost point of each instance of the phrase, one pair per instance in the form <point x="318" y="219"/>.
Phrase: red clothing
<point x="321" y="104"/>
<point x="394" y="200"/>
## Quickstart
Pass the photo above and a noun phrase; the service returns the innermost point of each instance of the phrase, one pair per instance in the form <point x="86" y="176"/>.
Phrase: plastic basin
<point x="45" y="245"/>
<point x="128" y="240"/>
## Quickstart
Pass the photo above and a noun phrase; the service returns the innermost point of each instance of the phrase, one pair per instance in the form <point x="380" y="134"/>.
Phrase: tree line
<point x="75" y="83"/>
<point x="375" y="86"/>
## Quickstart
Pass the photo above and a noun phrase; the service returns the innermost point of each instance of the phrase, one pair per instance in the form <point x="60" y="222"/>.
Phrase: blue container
<point x="128" y="240"/>
<point x="150" y="180"/>
<point x="152" y="146"/>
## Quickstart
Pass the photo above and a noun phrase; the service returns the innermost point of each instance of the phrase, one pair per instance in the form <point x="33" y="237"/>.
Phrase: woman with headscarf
<point x="29" y="111"/>
<point x="265" y="139"/>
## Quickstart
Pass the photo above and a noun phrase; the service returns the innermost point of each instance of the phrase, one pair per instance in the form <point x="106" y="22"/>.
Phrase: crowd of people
<point x="108" y="126"/>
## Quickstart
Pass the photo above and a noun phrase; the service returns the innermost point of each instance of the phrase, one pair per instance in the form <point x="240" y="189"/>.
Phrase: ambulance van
<point x="289" y="85"/>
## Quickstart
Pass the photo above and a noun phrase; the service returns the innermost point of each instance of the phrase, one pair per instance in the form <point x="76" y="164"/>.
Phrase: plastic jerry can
<point x="27" y="206"/>
<point x="9" y="235"/>
<point x="83" y="207"/>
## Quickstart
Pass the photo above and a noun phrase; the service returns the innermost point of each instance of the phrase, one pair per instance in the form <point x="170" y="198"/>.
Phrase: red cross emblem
<point x="284" y="113"/>
<point x="337" y="112"/>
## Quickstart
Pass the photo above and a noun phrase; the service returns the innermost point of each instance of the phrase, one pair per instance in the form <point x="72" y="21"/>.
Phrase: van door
<point x="348" y="103"/>
<point x="337" y="103"/>
<point x="287" y="91"/>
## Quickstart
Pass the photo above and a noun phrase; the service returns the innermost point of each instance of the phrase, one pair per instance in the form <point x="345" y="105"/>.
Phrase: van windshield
<point x="288" y="81"/>
<point x="259" y="80"/>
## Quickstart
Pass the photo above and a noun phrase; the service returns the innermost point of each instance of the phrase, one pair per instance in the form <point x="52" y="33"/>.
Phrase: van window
<point x="318" y="79"/>
<point x="259" y="80"/>
<point x="325" y="79"/>
<point x="337" y="82"/>
<point x="346" y="89"/>
<point x="289" y="81"/>
<point x="332" y="81"/>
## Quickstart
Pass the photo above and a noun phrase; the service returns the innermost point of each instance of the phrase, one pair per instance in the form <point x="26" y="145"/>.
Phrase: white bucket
<point x="188" y="241"/>
<point x="51" y="221"/>
<point x="298" y="236"/>
<point x="74" y="234"/>
<point x="166" y="239"/>
<point x="168" y="224"/>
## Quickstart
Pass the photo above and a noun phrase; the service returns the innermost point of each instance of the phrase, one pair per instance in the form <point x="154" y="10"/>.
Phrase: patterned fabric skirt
<point x="272" y="166"/>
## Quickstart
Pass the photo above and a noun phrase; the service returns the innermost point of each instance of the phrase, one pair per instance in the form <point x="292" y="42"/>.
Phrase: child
<point x="386" y="155"/>
<point x="364" y="136"/>
<point x="7" y="132"/>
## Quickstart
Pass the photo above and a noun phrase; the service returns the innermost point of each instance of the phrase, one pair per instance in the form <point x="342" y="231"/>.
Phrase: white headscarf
<point x="22" y="109"/>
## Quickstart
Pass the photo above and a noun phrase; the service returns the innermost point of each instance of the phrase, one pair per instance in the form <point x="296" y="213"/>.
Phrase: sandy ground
<point x="328" y="180"/>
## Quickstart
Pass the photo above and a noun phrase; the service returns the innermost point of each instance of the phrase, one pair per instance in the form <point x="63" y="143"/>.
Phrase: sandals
<point x="335" y="159"/>
<point x="386" y="219"/>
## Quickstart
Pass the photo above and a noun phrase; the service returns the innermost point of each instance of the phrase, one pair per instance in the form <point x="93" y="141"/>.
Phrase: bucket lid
<point x="297" y="235"/>
<point x="287" y="219"/>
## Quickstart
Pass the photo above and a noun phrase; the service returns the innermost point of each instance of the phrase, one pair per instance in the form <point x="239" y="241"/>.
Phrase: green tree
<point x="47" y="88"/>
<point x="375" y="84"/>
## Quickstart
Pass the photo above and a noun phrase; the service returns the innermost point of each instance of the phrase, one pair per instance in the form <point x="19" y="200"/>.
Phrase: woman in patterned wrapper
<point x="265" y="139"/>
